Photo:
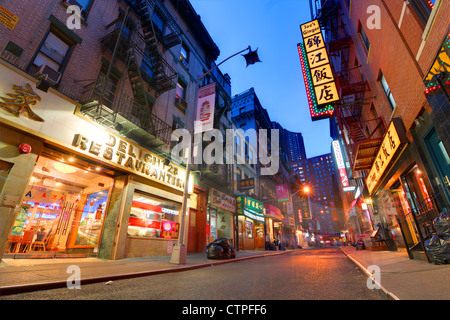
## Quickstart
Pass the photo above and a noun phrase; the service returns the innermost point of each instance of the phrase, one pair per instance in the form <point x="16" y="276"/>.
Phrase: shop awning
<point x="273" y="212"/>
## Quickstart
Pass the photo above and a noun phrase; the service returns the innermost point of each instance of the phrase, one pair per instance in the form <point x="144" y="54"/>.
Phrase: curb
<point x="10" y="290"/>
<point x="389" y="295"/>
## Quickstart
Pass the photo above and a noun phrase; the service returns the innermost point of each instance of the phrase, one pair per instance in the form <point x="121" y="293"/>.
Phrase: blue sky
<point x="272" y="26"/>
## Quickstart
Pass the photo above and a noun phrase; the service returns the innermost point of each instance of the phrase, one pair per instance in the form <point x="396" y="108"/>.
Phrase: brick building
<point x="93" y="111"/>
<point x="393" y="116"/>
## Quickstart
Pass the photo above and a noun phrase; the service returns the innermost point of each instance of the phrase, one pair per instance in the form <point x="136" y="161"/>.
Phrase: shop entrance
<point x="63" y="208"/>
<point x="220" y="225"/>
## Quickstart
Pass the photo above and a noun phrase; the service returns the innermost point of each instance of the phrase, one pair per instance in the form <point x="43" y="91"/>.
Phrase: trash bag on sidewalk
<point x="222" y="242"/>
<point x="438" y="250"/>
<point x="220" y="249"/>
<point x="214" y="251"/>
<point x="270" y="246"/>
<point x="442" y="226"/>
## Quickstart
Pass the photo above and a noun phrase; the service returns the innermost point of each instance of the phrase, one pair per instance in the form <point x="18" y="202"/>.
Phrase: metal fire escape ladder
<point x="164" y="77"/>
<point x="106" y="101"/>
<point x="361" y="144"/>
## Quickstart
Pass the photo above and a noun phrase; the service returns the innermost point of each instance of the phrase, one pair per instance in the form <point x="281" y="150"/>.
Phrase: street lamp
<point x="179" y="250"/>
<point x="307" y="190"/>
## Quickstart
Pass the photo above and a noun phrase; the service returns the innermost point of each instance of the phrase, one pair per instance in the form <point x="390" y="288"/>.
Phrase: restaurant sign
<point x="393" y="144"/>
<point x="222" y="200"/>
<point x="250" y="208"/>
<point x="131" y="157"/>
<point x="321" y="89"/>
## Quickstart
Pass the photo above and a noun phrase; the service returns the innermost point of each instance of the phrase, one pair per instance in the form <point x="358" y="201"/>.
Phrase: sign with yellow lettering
<point x="320" y="84"/>
<point x="393" y="144"/>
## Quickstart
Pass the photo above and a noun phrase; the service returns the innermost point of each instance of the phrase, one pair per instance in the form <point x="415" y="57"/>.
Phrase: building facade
<point x="318" y="174"/>
<point x="86" y="141"/>
<point x="392" y="119"/>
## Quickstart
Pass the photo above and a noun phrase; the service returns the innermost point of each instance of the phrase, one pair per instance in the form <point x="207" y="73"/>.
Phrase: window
<point x="47" y="204"/>
<point x="158" y="23"/>
<point x="184" y="55"/>
<point x="153" y="217"/>
<point x="53" y="52"/>
<point x="363" y="36"/>
<point x="180" y="96"/>
<point x="387" y="90"/>
<point x="423" y="9"/>
<point x="84" y="5"/>
<point x="180" y="90"/>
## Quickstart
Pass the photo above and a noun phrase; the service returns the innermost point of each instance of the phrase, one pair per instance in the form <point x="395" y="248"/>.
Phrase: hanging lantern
<point x="251" y="57"/>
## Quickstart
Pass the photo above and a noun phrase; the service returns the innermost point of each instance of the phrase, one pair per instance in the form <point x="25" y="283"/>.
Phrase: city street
<point x="312" y="274"/>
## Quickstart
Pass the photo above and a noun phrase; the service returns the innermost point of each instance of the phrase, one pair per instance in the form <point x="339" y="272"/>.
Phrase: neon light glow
<point x="317" y="112"/>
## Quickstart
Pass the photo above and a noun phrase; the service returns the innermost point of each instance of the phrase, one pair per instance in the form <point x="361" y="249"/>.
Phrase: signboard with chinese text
<point x="282" y="193"/>
<point x="250" y="208"/>
<point x="289" y="208"/>
<point x="204" y="120"/>
<point x="393" y="144"/>
<point x="319" y="79"/>
<point x="246" y="184"/>
<point x="340" y="163"/>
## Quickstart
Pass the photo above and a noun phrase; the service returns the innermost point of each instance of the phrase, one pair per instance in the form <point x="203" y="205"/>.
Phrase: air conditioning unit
<point x="49" y="74"/>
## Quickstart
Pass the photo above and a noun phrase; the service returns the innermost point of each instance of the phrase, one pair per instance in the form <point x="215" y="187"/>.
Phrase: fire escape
<point x="363" y="131"/>
<point x="219" y="174"/>
<point x="136" y="40"/>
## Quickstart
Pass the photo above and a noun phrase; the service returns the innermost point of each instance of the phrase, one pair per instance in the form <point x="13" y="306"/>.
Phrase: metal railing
<point x="418" y="224"/>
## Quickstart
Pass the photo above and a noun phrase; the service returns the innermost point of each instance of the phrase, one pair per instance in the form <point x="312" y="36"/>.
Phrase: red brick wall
<point x="85" y="61"/>
<point x="393" y="51"/>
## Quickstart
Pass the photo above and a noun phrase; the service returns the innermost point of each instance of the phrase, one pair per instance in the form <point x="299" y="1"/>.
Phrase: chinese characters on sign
<point x="20" y="101"/>
<point x="340" y="163"/>
<point x="319" y="80"/>
<point x="250" y="208"/>
<point x="205" y="108"/>
<point x="392" y="145"/>
<point x="282" y="193"/>
<point x="246" y="184"/>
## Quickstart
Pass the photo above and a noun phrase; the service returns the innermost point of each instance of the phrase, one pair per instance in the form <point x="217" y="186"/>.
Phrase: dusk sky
<point x="272" y="26"/>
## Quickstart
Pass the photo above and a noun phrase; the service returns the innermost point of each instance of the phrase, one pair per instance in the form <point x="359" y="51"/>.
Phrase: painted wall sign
<point x="393" y="144"/>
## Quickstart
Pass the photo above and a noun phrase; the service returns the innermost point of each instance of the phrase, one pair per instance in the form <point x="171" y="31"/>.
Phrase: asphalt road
<point x="322" y="274"/>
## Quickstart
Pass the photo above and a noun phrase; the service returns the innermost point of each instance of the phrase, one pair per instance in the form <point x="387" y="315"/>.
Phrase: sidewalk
<point x="25" y="275"/>
<point x="402" y="278"/>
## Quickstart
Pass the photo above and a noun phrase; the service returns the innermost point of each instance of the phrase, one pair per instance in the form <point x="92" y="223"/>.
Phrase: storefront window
<point x="63" y="207"/>
<point x="153" y="217"/>
<point x="248" y="229"/>
<point x="211" y="228"/>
